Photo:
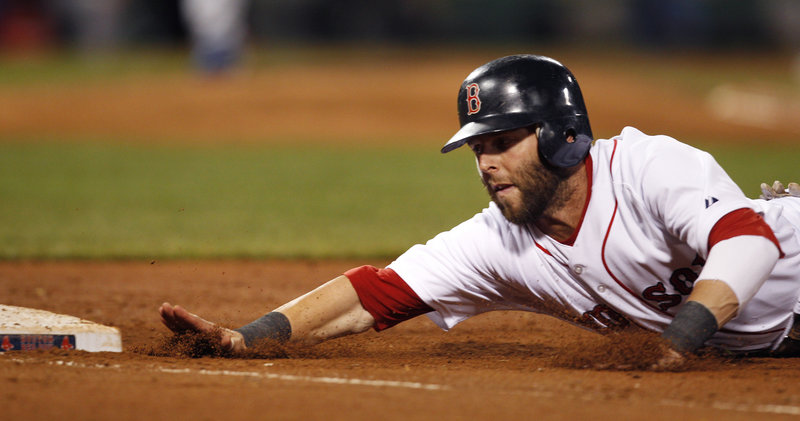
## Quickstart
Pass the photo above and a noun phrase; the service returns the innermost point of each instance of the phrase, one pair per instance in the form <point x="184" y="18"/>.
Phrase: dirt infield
<point x="404" y="96"/>
<point x="497" y="366"/>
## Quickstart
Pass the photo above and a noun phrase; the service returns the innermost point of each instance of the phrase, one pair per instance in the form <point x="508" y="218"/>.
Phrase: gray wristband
<point x="691" y="327"/>
<point x="273" y="325"/>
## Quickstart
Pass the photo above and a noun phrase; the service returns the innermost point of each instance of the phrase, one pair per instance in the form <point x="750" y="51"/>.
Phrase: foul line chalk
<point x="291" y="377"/>
<point x="310" y="379"/>
<point x="741" y="407"/>
<point x="767" y="409"/>
<point x="725" y="406"/>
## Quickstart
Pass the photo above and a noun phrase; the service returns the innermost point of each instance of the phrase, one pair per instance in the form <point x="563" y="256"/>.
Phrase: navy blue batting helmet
<point x="525" y="90"/>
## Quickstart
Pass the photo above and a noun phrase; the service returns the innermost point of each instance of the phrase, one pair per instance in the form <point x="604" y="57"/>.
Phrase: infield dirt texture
<point x="497" y="366"/>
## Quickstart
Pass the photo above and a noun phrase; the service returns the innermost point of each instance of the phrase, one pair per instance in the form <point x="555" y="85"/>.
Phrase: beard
<point x="539" y="188"/>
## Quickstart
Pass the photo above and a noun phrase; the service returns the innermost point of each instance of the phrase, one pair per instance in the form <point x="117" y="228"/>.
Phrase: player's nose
<point x="487" y="162"/>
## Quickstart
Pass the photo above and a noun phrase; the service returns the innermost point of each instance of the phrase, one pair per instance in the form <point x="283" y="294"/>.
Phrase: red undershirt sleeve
<point x="741" y="222"/>
<point x="386" y="296"/>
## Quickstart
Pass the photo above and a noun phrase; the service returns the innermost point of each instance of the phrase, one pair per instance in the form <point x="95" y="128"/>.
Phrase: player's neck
<point x="563" y="217"/>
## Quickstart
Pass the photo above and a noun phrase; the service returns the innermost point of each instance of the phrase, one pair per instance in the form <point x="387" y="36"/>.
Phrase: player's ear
<point x="570" y="136"/>
<point x="536" y="128"/>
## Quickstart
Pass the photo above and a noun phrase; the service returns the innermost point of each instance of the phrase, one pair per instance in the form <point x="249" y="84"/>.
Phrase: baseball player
<point x="218" y="30"/>
<point x="635" y="230"/>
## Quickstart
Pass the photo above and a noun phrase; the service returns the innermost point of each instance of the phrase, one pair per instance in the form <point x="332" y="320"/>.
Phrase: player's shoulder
<point x="492" y="218"/>
<point x="633" y="142"/>
<point x="487" y="236"/>
<point x="631" y="137"/>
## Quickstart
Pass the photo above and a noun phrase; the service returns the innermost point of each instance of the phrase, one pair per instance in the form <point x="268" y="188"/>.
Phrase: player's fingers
<point x="767" y="192"/>
<point x="190" y="321"/>
<point x="794" y="189"/>
<point x="778" y="187"/>
<point x="170" y="325"/>
<point x="175" y="318"/>
<point x="179" y="320"/>
<point x="164" y="309"/>
<point x="168" y="318"/>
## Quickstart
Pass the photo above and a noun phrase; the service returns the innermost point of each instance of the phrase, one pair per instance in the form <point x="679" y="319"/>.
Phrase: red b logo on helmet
<point x="473" y="102"/>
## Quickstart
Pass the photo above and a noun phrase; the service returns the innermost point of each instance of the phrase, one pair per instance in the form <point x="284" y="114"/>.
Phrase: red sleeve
<point x="386" y="296"/>
<point x="741" y="222"/>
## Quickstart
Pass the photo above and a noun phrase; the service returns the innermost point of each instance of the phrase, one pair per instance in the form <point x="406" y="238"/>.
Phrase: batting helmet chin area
<point x="520" y="91"/>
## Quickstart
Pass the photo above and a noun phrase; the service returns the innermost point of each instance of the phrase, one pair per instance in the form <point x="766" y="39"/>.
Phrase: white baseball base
<point x="27" y="329"/>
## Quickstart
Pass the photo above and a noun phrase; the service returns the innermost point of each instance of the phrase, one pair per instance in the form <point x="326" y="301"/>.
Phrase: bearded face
<point x="534" y="189"/>
<point x="516" y="178"/>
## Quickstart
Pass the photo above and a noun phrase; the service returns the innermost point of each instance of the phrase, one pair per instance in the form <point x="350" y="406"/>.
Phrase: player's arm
<point x="363" y="298"/>
<point x="743" y="252"/>
<point x="329" y="311"/>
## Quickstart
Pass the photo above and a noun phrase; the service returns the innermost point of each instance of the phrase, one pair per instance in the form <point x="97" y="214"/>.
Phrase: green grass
<point x="101" y="200"/>
<point x="65" y="68"/>
<point x="104" y="200"/>
<point x="749" y="166"/>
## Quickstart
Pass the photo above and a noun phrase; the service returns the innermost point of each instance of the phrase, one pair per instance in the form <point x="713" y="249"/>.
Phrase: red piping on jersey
<point x="605" y="240"/>
<point x="542" y="248"/>
<point x="608" y="270"/>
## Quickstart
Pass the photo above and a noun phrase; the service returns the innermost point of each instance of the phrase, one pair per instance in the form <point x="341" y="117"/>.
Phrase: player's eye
<point x="503" y="143"/>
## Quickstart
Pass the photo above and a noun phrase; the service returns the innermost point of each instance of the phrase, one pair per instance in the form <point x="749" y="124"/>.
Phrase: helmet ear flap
<point x="563" y="145"/>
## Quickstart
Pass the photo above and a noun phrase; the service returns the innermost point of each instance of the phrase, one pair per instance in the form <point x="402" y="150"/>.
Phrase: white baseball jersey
<point x="639" y="248"/>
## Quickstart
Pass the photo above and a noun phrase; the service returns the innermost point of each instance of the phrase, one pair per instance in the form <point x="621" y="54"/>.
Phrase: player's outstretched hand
<point x="178" y="320"/>
<point x="777" y="190"/>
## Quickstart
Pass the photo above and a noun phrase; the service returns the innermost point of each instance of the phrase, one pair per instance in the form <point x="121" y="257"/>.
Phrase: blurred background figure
<point x="217" y="30"/>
